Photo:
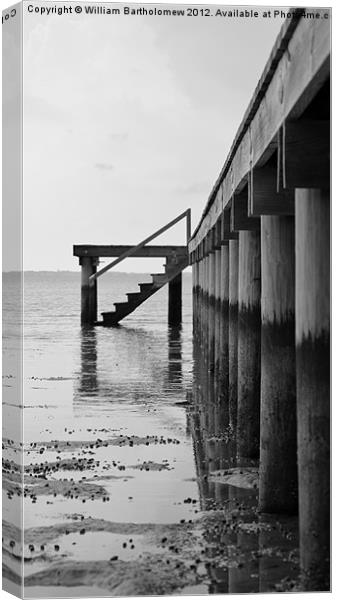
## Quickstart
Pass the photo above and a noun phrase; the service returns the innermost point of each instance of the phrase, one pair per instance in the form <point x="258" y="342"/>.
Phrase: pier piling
<point x="175" y="301"/>
<point x="313" y="376"/>
<point x="88" y="290"/>
<point x="278" y="457"/>
<point x="211" y="301"/>
<point x="272" y="198"/>
<point x="205" y="305"/>
<point x="233" y="332"/>
<point x="223" y="335"/>
<point x="249" y="324"/>
<point x="217" y="316"/>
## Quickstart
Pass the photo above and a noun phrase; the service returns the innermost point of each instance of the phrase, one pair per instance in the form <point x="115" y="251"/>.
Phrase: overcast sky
<point x="127" y="122"/>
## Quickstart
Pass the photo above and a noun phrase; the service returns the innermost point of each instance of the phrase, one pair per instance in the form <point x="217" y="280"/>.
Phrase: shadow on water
<point x="245" y="551"/>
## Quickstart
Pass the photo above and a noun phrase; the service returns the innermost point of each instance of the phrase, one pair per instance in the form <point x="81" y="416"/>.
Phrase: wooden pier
<point x="261" y="286"/>
<point x="176" y="260"/>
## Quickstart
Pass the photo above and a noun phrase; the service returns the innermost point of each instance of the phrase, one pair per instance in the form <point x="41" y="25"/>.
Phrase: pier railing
<point x="132" y="251"/>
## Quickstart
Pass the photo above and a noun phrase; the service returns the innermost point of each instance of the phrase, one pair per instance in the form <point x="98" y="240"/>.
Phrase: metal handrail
<point x="186" y="214"/>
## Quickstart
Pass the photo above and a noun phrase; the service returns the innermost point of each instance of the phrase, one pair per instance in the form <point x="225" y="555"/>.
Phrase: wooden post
<point x="205" y="319"/>
<point x="88" y="291"/>
<point x="233" y="332"/>
<point x="249" y="331"/>
<point x="203" y="304"/>
<point x="200" y="296"/>
<point x="312" y="218"/>
<point x="278" y="455"/>
<point x="174" y="301"/>
<point x="211" y="306"/>
<point x="194" y="294"/>
<point x="197" y="298"/>
<point x="223" y="361"/>
<point x="217" y="323"/>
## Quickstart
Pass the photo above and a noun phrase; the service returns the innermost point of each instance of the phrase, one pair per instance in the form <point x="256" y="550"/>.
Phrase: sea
<point x="128" y="484"/>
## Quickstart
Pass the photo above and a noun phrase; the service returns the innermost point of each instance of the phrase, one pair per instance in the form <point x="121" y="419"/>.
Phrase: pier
<point x="260" y="257"/>
<point x="176" y="260"/>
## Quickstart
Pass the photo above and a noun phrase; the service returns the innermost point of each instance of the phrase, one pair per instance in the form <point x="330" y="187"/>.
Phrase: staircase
<point x="177" y="259"/>
<point x="135" y="299"/>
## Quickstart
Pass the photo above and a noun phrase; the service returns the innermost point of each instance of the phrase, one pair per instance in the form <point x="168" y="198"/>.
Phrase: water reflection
<point x="127" y="364"/>
<point x="246" y="552"/>
<point x="88" y="375"/>
<point x="174" y="370"/>
<point x="242" y="550"/>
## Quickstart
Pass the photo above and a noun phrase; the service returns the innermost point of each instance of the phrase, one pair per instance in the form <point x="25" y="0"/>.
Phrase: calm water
<point x="123" y="437"/>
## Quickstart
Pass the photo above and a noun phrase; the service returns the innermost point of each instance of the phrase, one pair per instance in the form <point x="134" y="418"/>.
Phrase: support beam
<point x="239" y="219"/>
<point x="211" y="300"/>
<point x="226" y="231"/>
<point x="278" y="452"/>
<point x="263" y="198"/>
<point x="205" y="310"/>
<point x="169" y="252"/>
<point x="88" y="291"/>
<point x="211" y="310"/>
<point x="313" y="379"/>
<point x="194" y="295"/>
<point x="233" y="332"/>
<point x="217" y="316"/>
<point x="217" y="324"/>
<point x="202" y="303"/>
<point x="304" y="154"/>
<point x="249" y="332"/>
<point x="197" y="298"/>
<point x="174" y="301"/>
<point x="201" y="298"/>
<point x="223" y="358"/>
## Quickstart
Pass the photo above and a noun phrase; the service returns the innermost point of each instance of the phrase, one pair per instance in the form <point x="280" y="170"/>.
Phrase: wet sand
<point x="204" y="533"/>
<point x="129" y="481"/>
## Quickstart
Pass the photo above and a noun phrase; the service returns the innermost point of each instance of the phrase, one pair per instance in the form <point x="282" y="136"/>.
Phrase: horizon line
<point x="79" y="272"/>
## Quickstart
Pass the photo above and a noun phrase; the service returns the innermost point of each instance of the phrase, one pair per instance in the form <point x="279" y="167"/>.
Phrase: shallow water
<point x="126" y="457"/>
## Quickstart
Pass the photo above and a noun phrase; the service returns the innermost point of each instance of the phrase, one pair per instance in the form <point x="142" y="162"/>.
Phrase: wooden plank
<point x="304" y="154"/>
<point x="303" y="65"/>
<point x="146" y="251"/>
<point x="239" y="219"/>
<point x="263" y="198"/>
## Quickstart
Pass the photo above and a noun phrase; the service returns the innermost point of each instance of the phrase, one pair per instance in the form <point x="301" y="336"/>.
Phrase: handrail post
<point x="188" y="225"/>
